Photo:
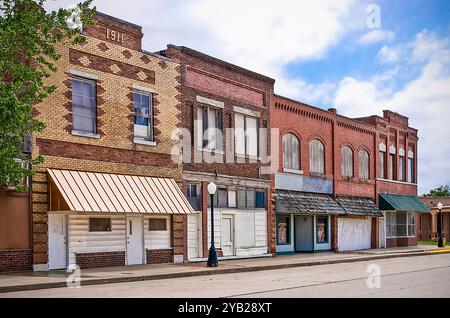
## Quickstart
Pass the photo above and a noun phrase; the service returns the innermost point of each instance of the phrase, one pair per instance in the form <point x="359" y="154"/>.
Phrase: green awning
<point x="404" y="203"/>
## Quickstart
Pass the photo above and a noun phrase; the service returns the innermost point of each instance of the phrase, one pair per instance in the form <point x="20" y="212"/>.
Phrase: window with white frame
<point x="401" y="168"/>
<point x="411" y="170"/>
<point x="382" y="160"/>
<point x="400" y="224"/>
<point x="291" y="152"/>
<point x="246" y="135"/>
<point x="364" y="165"/>
<point x="84" y="106"/>
<point x="209" y="128"/>
<point x="143" y="116"/>
<point x="347" y="162"/>
<point x="316" y="157"/>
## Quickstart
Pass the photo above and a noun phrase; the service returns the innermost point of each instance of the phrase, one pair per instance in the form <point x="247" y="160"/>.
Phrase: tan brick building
<point x="112" y="115"/>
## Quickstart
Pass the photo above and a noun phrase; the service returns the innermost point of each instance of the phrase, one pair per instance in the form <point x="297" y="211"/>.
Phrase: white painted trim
<point x="144" y="142"/>
<point x="401" y="151"/>
<point x="396" y="181"/>
<point x="85" y="134"/>
<point x="392" y="150"/>
<point x="91" y="76"/>
<point x="246" y="111"/>
<point x="410" y="154"/>
<point x="144" y="89"/>
<point x="382" y="147"/>
<point x="294" y="171"/>
<point x="40" y="268"/>
<point x="210" y="102"/>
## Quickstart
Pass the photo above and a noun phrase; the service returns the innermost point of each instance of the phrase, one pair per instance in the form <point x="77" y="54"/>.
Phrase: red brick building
<point x="330" y="179"/>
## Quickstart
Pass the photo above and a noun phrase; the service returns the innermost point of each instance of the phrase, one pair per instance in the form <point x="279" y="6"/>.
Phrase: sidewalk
<point x="10" y="282"/>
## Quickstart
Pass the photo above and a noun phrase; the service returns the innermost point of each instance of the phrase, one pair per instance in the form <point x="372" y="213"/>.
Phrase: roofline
<point x="234" y="67"/>
<point x="117" y="19"/>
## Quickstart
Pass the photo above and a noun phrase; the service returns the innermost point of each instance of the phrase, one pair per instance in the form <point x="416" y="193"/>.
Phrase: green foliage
<point x="28" y="39"/>
<point x="442" y="191"/>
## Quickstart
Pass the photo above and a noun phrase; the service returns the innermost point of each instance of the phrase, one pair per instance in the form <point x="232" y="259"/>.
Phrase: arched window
<point x="347" y="161"/>
<point x="291" y="152"/>
<point x="316" y="157"/>
<point x="363" y="164"/>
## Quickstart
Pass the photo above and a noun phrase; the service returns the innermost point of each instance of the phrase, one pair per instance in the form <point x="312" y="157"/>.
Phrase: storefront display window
<point x="322" y="229"/>
<point x="283" y="229"/>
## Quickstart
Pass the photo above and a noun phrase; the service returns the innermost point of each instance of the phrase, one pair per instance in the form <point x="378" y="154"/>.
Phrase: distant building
<point x="428" y="227"/>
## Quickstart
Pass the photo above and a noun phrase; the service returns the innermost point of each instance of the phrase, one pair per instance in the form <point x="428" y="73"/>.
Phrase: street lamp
<point x="439" y="225"/>
<point x="212" y="258"/>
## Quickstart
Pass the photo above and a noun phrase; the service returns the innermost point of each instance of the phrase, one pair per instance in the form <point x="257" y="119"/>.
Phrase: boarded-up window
<point x="291" y="152"/>
<point x="232" y="198"/>
<point x="99" y="224"/>
<point x="317" y="157"/>
<point x="347" y="162"/>
<point x="157" y="224"/>
<point x="246" y="135"/>
<point x="363" y="165"/>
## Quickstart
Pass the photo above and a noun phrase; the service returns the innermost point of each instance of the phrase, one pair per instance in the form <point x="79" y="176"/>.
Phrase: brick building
<point x="225" y="112"/>
<point x="108" y="191"/>
<point x="329" y="189"/>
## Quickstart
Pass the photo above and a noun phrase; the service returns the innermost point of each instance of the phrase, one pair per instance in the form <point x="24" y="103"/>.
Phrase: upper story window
<point x="143" y="116"/>
<point x="291" y="152"/>
<point x="316" y="157"/>
<point x="246" y="135"/>
<point x="411" y="172"/>
<point x="209" y="128"/>
<point x="391" y="166"/>
<point x="347" y="162"/>
<point x="194" y="196"/>
<point x="401" y="168"/>
<point x="84" y="106"/>
<point x="364" y="165"/>
<point x="382" y="159"/>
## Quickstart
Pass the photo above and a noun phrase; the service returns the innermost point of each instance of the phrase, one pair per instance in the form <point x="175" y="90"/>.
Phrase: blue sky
<point x="322" y="52"/>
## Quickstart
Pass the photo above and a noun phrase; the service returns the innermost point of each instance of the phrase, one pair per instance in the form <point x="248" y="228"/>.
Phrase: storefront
<point x="97" y="219"/>
<point x="304" y="221"/>
<point x="400" y="213"/>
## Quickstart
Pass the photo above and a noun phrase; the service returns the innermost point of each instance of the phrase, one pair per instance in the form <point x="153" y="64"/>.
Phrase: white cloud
<point x="424" y="99"/>
<point x="388" y="55"/>
<point x="377" y="35"/>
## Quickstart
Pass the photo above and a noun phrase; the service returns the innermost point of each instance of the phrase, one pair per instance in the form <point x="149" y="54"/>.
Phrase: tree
<point x="442" y="191"/>
<point x="28" y="39"/>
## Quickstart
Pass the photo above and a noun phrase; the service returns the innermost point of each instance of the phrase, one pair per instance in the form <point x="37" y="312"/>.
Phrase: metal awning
<point x="404" y="203"/>
<point x="306" y="203"/>
<point x="358" y="206"/>
<point x="106" y="192"/>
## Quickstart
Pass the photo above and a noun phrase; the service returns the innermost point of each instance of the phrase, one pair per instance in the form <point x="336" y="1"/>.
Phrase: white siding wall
<point x="354" y="234"/>
<point x="83" y="241"/>
<point x="155" y="240"/>
<point x="250" y="230"/>
<point x="194" y="235"/>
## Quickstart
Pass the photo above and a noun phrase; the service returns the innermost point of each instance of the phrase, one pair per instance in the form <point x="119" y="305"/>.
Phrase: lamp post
<point x="212" y="258"/>
<point x="439" y="225"/>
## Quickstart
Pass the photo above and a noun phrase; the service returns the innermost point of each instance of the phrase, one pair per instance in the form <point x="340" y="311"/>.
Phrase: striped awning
<point x="106" y="192"/>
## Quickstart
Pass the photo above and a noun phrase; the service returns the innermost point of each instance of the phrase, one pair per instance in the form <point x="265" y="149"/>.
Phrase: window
<point x="322" y="229"/>
<point x="241" y="199"/>
<point x="84" y="110"/>
<point x="400" y="224"/>
<point x="317" y="157"/>
<point x="157" y="224"/>
<point x="232" y="198"/>
<point x="347" y="162"/>
<point x="194" y="197"/>
<point x="364" y="165"/>
<point x="411" y="170"/>
<point x="99" y="224"/>
<point x="250" y="199"/>
<point x="246" y="135"/>
<point x="209" y="128"/>
<point x="391" y="166"/>
<point x="260" y="199"/>
<point x="143" y="116"/>
<point x="222" y="198"/>
<point x="283" y="229"/>
<point x="291" y="152"/>
<point x="401" y="169"/>
<point x="382" y="155"/>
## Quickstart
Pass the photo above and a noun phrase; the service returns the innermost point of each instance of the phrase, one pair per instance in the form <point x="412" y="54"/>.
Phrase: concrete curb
<point x="112" y="280"/>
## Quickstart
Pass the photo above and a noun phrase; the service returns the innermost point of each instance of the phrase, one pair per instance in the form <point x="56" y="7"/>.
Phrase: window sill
<point x="85" y="134"/>
<point x="217" y="152"/>
<point x="239" y="155"/>
<point x="293" y="171"/>
<point x="144" y="142"/>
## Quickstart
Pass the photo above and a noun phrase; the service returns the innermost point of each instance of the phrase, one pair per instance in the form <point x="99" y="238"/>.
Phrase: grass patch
<point x="427" y="243"/>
